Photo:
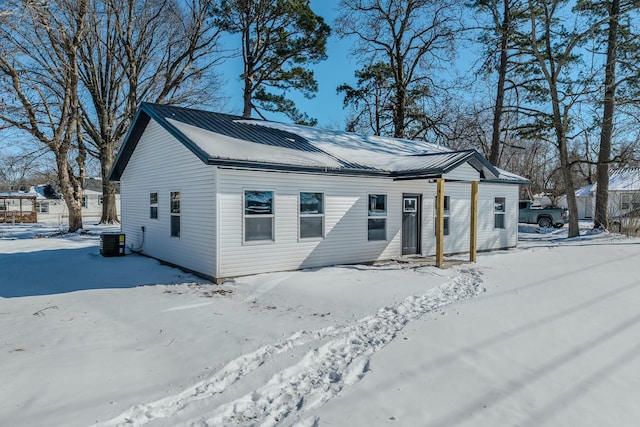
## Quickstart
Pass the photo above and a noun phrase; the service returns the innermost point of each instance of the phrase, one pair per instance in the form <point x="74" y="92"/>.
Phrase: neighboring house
<point x="624" y="194"/>
<point x="50" y="205"/>
<point x="226" y="196"/>
<point x="17" y="207"/>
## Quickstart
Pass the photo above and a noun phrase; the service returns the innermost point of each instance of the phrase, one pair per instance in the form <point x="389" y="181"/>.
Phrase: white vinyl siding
<point x="163" y="164"/>
<point x="464" y="172"/>
<point x="345" y="221"/>
<point x="488" y="237"/>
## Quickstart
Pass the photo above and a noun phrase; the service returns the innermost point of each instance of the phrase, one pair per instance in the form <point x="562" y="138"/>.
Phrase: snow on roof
<point x="226" y="139"/>
<point x="18" y="194"/>
<point x="509" y="176"/>
<point x="622" y="179"/>
<point x="230" y="148"/>
<point x="627" y="179"/>
<point x="374" y="152"/>
<point x="585" y="191"/>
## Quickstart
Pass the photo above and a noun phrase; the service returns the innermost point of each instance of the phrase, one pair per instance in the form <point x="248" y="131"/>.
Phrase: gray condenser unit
<point x="112" y="244"/>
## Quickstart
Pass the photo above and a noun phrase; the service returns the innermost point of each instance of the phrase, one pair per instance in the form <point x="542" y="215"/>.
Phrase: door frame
<point x="417" y="196"/>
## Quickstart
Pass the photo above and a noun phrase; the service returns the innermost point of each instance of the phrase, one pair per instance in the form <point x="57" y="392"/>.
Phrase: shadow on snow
<point x="58" y="271"/>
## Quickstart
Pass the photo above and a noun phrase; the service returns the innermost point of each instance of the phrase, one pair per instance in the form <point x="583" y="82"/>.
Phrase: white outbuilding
<point x="624" y="194"/>
<point x="225" y="196"/>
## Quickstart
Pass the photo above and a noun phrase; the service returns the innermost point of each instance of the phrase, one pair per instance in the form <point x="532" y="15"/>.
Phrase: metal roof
<point x="224" y="139"/>
<point x="620" y="179"/>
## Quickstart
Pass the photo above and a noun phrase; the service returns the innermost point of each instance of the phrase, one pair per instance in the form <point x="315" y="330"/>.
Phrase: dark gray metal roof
<point x="224" y="139"/>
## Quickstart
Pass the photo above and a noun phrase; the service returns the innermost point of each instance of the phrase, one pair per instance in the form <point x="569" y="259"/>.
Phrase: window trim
<point x="272" y="215"/>
<point x="85" y="201"/>
<point x="175" y="214"/>
<point x="154" y="205"/>
<point x="378" y="216"/>
<point x="308" y="215"/>
<point x="502" y="213"/>
<point x="41" y="207"/>
<point x="446" y="215"/>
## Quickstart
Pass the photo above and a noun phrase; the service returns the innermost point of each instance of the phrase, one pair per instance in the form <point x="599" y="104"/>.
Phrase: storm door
<point x="411" y="224"/>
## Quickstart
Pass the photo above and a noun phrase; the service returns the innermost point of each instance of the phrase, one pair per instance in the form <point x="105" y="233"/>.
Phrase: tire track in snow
<point x="319" y="376"/>
<point x="324" y="372"/>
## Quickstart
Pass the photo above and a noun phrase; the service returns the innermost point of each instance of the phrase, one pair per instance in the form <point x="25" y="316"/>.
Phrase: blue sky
<point x="336" y="70"/>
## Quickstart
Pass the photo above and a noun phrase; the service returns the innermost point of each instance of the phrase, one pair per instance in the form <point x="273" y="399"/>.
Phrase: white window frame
<point x="43" y="207"/>
<point x="301" y="215"/>
<point x="246" y="216"/>
<point x="376" y="216"/>
<point x="497" y="213"/>
<point x="154" y="205"/>
<point x="177" y="214"/>
<point x="446" y="215"/>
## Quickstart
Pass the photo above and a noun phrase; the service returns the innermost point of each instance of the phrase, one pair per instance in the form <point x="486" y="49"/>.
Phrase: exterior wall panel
<point x="458" y="240"/>
<point x="345" y="241"/>
<point x="464" y="172"/>
<point x="162" y="164"/>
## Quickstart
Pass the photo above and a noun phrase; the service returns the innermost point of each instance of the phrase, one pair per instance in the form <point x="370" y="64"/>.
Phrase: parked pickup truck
<point x="544" y="217"/>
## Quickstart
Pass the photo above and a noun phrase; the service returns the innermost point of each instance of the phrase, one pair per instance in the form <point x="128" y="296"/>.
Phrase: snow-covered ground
<point x="547" y="334"/>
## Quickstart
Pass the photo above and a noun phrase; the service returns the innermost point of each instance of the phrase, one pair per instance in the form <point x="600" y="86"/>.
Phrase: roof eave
<point x="130" y="141"/>
<point x="247" y="164"/>
<point x="140" y="122"/>
<point x="507" y="181"/>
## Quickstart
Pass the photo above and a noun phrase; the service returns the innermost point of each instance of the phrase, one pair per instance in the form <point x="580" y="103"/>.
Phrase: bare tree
<point x="554" y="56"/>
<point x="38" y="63"/>
<point x="135" y="50"/>
<point x="615" y="39"/>
<point x="412" y="36"/>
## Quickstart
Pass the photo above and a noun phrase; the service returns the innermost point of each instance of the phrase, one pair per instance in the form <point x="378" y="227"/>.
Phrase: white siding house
<point x="225" y="196"/>
<point x="624" y="194"/>
<point x="53" y="207"/>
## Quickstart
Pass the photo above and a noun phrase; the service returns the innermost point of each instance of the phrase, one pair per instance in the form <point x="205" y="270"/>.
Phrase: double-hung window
<point x="311" y="215"/>
<point x="258" y="216"/>
<point x="85" y="201"/>
<point x="498" y="212"/>
<point x="153" y="205"/>
<point x="175" y="214"/>
<point x="377" y="217"/>
<point x="446" y="213"/>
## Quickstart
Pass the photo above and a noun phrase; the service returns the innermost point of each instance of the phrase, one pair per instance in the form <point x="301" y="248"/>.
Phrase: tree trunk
<point x="494" y="154"/>
<point x="400" y="112"/>
<point x="109" y="211"/>
<point x="574" y="229"/>
<point x="604" y="154"/>
<point x="567" y="175"/>
<point x="72" y="196"/>
<point x="247" y="95"/>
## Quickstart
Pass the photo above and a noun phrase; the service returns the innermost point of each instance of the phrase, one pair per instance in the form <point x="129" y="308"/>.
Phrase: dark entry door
<point x="411" y="224"/>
